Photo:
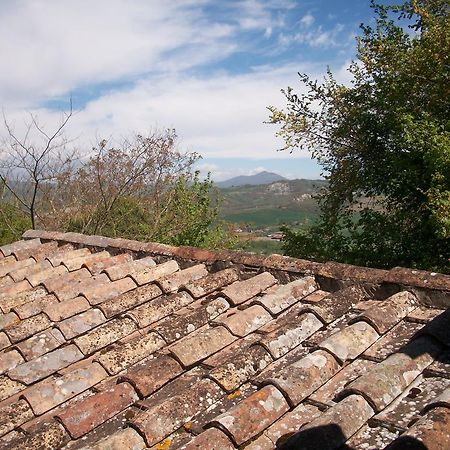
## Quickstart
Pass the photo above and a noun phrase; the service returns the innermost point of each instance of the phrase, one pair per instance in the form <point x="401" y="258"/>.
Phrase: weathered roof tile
<point x="68" y="308"/>
<point x="35" y="306"/>
<point x="190" y="319"/>
<point x="123" y="270"/>
<point x="9" y="360"/>
<point x="288" y="294"/>
<point x="78" y="262"/>
<point x="38" y="253"/>
<point x="301" y="378"/>
<point x="210" y="439"/>
<point x="45" y="365"/>
<point x="241" y="291"/>
<point x="171" y="283"/>
<point x="97" y="293"/>
<point x="150" y="274"/>
<point x="38" y="278"/>
<point x="40" y="343"/>
<point x="52" y="392"/>
<point x="159" y="421"/>
<point x="246" y="363"/>
<point x="84" y="415"/>
<point x="63" y="257"/>
<point x="126" y="439"/>
<point x="332" y="428"/>
<point x="212" y="282"/>
<point x="28" y="327"/>
<point x="50" y="436"/>
<point x="81" y="323"/>
<point x="431" y="432"/>
<point x="125" y="354"/>
<point x="20" y="246"/>
<point x="105" y="334"/>
<point x="130" y="299"/>
<point x="13" y="415"/>
<point x="387" y="380"/>
<point x="23" y="272"/>
<point x="152" y="373"/>
<point x="9" y="387"/>
<point x="201" y="344"/>
<point x="350" y="342"/>
<point x="388" y="313"/>
<point x="8" y="320"/>
<point x="243" y="322"/>
<point x="253" y="414"/>
<point x="292" y="332"/>
<point x="159" y="308"/>
<point x="97" y="266"/>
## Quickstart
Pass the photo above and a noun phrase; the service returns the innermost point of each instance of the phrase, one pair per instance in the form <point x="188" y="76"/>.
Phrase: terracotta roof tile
<point x="86" y="414"/>
<point x="291" y="332"/>
<point x="16" y="266"/>
<point x="334" y="306"/>
<point x="431" y="432"/>
<point x="351" y="341"/>
<point x="52" y="392"/>
<point x="243" y="322"/>
<point x="14" y="414"/>
<point x="81" y="323"/>
<point x="127" y="268"/>
<point x="171" y="283"/>
<point x="159" y="308"/>
<point x="97" y="266"/>
<point x="150" y="274"/>
<point x="389" y="312"/>
<point x="253" y="414"/>
<point x="28" y="327"/>
<point x="152" y="373"/>
<point x="241" y="367"/>
<point x="392" y="341"/>
<point x="126" y="439"/>
<point x="60" y="311"/>
<point x="241" y="291"/>
<point x="80" y="261"/>
<point x="35" y="306"/>
<point x="38" y="278"/>
<point x="40" y="343"/>
<point x="288" y="294"/>
<point x="49" y="436"/>
<point x="388" y="379"/>
<point x="362" y="365"/>
<point x="39" y="252"/>
<point x="160" y="420"/>
<point x="299" y="379"/>
<point x="125" y="354"/>
<point x="9" y="360"/>
<point x="404" y="410"/>
<point x="211" y="439"/>
<point x="332" y="428"/>
<point x="200" y="344"/>
<point x="21" y="273"/>
<point x="9" y="387"/>
<point x="9" y="249"/>
<point x="124" y="302"/>
<point x="190" y="318"/>
<point x="210" y="283"/>
<point x="45" y="365"/>
<point x="104" y="335"/>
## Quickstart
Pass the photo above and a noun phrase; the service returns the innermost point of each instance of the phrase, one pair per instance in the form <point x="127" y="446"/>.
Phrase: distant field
<point x="266" y="247"/>
<point x="269" y="217"/>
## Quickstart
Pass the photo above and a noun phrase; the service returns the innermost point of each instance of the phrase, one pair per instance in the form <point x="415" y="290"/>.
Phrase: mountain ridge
<point x="260" y="178"/>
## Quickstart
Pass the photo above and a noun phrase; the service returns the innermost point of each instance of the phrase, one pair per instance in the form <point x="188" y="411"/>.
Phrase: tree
<point x="145" y="189"/>
<point x="30" y="165"/>
<point x="383" y="143"/>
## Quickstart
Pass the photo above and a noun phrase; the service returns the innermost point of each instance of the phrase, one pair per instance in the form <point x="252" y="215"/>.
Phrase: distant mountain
<point x="252" y="180"/>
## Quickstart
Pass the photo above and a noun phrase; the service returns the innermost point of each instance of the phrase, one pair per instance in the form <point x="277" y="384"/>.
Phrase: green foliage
<point x="189" y="217"/>
<point x="13" y="223"/>
<point x="385" y="139"/>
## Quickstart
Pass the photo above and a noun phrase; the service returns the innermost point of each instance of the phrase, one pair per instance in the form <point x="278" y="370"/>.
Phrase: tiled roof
<point x="116" y="344"/>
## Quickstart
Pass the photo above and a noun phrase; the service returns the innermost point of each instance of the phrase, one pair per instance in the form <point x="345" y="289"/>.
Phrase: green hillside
<point x="269" y="206"/>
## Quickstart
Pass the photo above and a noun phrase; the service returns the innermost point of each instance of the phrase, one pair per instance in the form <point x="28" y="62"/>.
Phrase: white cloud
<point x="307" y="20"/>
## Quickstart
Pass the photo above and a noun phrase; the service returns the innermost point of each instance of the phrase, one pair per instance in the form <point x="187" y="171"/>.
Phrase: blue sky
<point x="207" y="68"/>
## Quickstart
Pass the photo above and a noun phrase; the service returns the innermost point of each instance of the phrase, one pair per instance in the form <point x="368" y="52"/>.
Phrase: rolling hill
<point x="254" y="180"/>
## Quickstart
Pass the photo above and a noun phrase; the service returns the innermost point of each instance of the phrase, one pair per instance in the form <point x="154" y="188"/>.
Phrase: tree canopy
<point x="383" y="142"/>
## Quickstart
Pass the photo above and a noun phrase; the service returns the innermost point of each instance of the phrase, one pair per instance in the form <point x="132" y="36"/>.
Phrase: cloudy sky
<point x="208" y="68"/>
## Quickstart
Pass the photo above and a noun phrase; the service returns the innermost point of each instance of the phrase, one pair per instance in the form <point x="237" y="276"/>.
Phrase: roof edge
<point x="335" y="270"/>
